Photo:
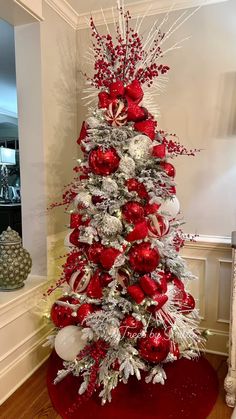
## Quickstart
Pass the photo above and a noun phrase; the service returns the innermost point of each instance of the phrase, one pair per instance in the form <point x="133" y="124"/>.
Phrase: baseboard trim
<point x="23" y="368"/>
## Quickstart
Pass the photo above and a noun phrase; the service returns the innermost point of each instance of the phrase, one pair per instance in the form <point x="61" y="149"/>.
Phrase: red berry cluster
<point x="175" y="148"/>
<point x="125" y="60"/>
<point x="97" y="351"/>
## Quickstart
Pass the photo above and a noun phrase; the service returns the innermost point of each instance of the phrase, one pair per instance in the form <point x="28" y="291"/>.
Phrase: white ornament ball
<point x="127" y="166"/>
<point x="69" y="342"/>
<point x="110" y="226"/>
<point x="170" y="207"/>
<point x="139" y="147"/>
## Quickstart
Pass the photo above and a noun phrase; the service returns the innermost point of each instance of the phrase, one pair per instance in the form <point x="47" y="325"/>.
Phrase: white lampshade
<point x="7" y="156"/>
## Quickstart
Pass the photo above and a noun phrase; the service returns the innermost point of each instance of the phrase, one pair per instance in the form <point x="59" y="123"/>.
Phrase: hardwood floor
<point x="31" y="400"/>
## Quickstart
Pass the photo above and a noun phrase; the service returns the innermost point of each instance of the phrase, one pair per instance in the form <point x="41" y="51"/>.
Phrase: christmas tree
<point x="125" y="310"/>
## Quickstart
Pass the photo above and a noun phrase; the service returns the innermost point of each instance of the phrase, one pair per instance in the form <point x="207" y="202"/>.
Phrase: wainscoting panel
<point x="22" y="334"/>
<point x="211" y="263"/>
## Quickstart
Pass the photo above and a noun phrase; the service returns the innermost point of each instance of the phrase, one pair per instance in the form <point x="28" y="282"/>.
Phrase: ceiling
<point x="90" y="5"/>
<point x="8" y="99"/>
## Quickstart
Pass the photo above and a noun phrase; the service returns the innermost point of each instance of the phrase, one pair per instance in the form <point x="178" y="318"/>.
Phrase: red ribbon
<point x="131" y="95"/>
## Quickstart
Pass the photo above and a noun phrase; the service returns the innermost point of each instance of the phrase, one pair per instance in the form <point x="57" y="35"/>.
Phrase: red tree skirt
<point x="190" y="392"/>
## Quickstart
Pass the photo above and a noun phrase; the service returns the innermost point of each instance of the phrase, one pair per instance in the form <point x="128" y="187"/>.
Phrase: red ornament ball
<point x="139" y="232"/>
<point x="143" y="258"/>
<point x="103" y="162"/>
<point x="62" y="315"/>
<point x="133" y="212"/>
<point x="168" y="168"/>
<point x="83" y="311"/>
<point x="130" y="327"/>
<point x="94" y="252"/>
<point x="158" y="226"/>
<point x="155" y="346"/>
<point x="107" y="257"/>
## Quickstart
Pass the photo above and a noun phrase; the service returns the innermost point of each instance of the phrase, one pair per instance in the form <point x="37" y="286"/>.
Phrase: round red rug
<point x="190" y="392"/>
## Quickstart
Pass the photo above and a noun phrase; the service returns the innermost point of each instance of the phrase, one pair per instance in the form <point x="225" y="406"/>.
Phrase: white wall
<point x="59" y="110"/>
<point x="199" y="105"/>
<point x="32" y="165"/>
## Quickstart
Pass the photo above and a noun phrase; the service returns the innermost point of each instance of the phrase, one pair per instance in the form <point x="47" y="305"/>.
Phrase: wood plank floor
<point x="31" y="400"/>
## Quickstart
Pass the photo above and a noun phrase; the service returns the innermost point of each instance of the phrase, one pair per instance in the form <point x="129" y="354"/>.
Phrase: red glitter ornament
<point x="130" y="327"/>
<point x="136" y="292"/>
<point x="139" y="232"/>
<point x="62" y="315"/>
<point x="94" y="251"/>
<point x="108" y="256"/>
<point x="133" y="212"/>
<point x="168" y="168"/>
<point x="103" y="162"/>
<point x="155" y="346"/>
<point x="83" y="311"/>
<point x="143" y="258"/>
<point x="159" y="151"/>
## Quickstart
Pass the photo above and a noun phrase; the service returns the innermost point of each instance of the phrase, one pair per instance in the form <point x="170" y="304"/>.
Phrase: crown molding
<point x="35" y="12"/>
<point x="147" y="8"/>
<point x="65" y="11"/>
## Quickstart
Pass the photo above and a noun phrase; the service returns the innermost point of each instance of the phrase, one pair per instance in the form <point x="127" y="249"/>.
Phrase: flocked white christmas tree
<point x="126" y="309"/>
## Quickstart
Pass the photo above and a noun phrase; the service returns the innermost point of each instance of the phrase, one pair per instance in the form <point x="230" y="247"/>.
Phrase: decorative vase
<point x="15" y="261"/>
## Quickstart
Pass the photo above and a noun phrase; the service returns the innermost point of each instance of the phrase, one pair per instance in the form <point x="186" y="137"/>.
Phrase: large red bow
<point x="131" y="95"/>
